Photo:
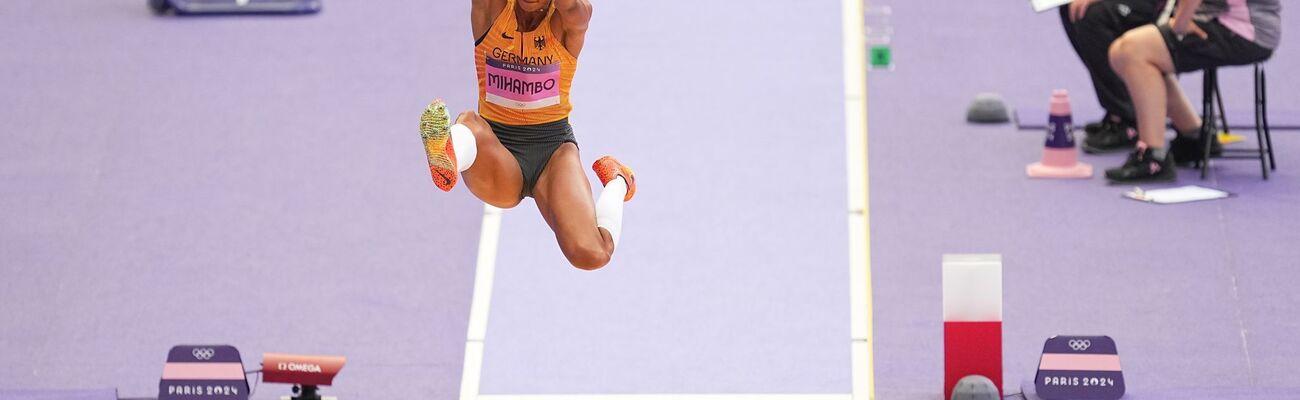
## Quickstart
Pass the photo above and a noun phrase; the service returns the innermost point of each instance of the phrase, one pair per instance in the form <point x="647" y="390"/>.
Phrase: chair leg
<point x="1209" y="82"/>
<point x="1259" y="127"/>
<point x="1263" y="114"/>
<point x="1223" y="115"/>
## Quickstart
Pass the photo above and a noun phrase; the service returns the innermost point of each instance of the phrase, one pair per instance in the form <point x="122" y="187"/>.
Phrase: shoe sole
<point x="1170" y="178"/>
<point x="1216" y="153"/>
<point x="434" y="129"/>
<point x="1097" y="150"/>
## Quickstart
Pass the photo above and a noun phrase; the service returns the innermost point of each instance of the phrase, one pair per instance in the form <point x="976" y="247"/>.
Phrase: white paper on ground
<point x="1044" y="5"/>
<point x="1177" y="195"/>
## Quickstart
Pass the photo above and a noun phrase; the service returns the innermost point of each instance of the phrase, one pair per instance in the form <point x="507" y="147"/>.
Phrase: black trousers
<point x="1091" y="37"/>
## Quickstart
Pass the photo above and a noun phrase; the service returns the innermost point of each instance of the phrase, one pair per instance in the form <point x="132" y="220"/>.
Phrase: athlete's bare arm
<point x="573" y="18"/>
<point x="482" y="13"/>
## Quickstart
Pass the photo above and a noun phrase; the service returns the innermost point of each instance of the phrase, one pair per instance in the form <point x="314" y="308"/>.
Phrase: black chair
<point x="1210" y="96"/>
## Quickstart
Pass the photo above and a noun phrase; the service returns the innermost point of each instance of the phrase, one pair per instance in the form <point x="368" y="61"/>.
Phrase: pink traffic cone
<point x="1060" y="158"/>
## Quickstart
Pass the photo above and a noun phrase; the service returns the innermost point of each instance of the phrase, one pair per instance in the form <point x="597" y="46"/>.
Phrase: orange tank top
<point x="523" y="77"/>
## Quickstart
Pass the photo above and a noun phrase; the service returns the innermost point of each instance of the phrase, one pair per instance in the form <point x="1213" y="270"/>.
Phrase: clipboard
<point x="1177" y="195"/>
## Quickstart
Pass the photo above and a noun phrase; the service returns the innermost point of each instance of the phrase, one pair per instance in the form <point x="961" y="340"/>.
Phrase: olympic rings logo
<point x="1080" y="344"/>
<point x="203" y="353"/>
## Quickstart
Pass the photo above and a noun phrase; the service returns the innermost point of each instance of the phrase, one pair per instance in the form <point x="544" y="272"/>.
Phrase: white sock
<point x="462" y="142"/>
<point x="609" y="207"/>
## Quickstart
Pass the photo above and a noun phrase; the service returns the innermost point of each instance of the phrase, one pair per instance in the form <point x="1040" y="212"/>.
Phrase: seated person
<point x="1091" y="26"/>
<point x="1202" y="34"/>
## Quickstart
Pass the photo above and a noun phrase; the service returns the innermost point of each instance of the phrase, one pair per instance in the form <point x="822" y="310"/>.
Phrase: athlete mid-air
<point x="520" y="142"/>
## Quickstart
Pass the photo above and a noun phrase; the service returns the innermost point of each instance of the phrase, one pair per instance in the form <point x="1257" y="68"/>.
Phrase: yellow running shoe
<point x="434" y="124"/>
<point x="607" y="168"/>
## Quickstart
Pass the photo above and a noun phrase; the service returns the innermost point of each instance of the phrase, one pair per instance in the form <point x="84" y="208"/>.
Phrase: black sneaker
<point x="1095" y="127"/>
<point x="1109" y="137"/>
<point x="1141" y="166"/>
<point x="1187" y="150"/>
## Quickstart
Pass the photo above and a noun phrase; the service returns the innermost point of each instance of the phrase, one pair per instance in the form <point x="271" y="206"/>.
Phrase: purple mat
<point x="1033" y="118"/>
<point x="1194" y="295"/>
<point x="289" y="187"/>
<point x="257" y="181"/>
<point x="91" y="394"/>
<point x="731" y="274"/>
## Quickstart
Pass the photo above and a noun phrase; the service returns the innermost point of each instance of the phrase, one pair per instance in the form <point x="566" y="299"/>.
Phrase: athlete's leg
<point x="619" y="186"/>
<point x="469" y="148"/>
<point x="494" y="177"/>
<point x="563" y="196"/>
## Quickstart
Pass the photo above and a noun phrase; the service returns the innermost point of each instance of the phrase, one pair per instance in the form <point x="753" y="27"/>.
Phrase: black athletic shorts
<point x="532" y="146"/>
<point x="1223" y="47"/>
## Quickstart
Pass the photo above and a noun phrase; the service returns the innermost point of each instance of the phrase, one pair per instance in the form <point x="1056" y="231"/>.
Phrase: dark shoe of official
<point x="1142" y="166"/>
<point x="1188" y="150"/>
<point x="1109" y="137"/>
<point x="1093" y="127"/>
<point x="1109" y="119"/>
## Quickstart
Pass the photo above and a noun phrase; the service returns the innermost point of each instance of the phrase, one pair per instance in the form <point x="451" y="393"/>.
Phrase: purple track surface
<point x="252" y="181"/>
<point x="93" y="394"/>
<point x="1196" y="296"/>
<point x="259" y="182"/>
<point x="731" y="274"/>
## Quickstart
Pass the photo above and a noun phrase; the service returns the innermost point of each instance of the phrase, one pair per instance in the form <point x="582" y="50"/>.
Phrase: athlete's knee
<point x="482" y="131"/>
<point x="468" y="116"/>
<point x="502" y="202"/>
<point x="586" y="256"/>
<point x="589" y="261"/>
<point x="472" y="121"/>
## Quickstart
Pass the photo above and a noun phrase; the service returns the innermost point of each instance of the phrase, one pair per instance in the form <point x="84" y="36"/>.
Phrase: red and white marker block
<point x="972" y="318"/>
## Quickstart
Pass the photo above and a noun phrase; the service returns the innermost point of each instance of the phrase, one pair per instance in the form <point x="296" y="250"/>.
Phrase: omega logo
<point x="299" y="367"/>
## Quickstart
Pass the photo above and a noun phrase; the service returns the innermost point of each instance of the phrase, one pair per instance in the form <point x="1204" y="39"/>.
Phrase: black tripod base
<point x="306" y="392"/>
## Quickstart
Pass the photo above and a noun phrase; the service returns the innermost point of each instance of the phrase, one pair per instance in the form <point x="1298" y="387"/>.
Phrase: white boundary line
<point x="481" y="302"/>
<point x="859" y="215"/>
<point x="485" y="270"/>
<point x="859" y="237"/>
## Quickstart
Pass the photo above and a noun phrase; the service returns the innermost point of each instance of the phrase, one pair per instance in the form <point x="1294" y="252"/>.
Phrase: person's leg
<point x="1191" y="52"/>
<point x="1070" y="30"/>
<point x="1146" y="56"/>
<point x="495" y="176"/>
<point x="1142" y="59"/>
<point x="1104" y="22"/>
<point x="1179" y="107"/>
<point x="563" y="196"/>
<point x="470" y="149"/>
<point x="1101" y="25"/>
<point x="1186" y="148"/>
<point x="620" y="187"/>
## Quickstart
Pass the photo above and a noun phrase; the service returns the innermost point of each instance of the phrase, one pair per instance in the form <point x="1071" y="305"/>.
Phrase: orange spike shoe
<point x="434" y="129"/>
<point x="607" y="168"/>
